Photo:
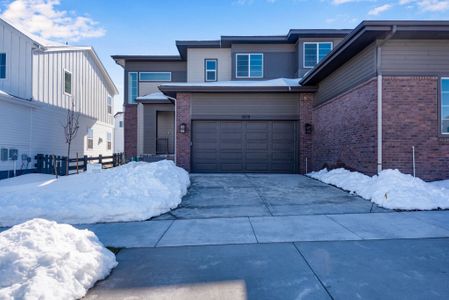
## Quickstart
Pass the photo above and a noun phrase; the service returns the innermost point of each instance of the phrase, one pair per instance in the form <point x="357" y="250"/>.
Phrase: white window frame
<point x="108" y="141"/>
<point x="6" y="63"/>
<point x="154" y="72"/>
<point x="249" y="65"/>
<point x="441" y="106"/>
<point x="109" y="105"/>
<point x="90" y="138"/>
<point x="317" y="52"/>
<point x="71" y="83"/>
<point x="206" y="70"/>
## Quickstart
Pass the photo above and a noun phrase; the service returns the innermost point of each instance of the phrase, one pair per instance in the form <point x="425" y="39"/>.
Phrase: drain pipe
<point x="379" y="95"/>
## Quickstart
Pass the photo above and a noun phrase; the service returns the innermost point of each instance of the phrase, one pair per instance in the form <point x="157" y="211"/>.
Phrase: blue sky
<point x="151" y="27"/>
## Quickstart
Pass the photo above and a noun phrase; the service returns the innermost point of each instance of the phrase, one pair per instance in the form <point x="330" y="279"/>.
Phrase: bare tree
<point x="71" y="127"/>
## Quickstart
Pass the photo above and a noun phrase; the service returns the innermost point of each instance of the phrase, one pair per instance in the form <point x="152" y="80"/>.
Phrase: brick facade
<point x="305" y="140"/>
<point x="183" y="140"/>
<point x="410" y="118"/>
<point x="130" y="131"/>
<point x="345" y="130"/>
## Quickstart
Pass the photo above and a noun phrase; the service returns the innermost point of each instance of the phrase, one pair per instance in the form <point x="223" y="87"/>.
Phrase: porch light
<point x="183" y="128"/>
<point x="308" y="128"/>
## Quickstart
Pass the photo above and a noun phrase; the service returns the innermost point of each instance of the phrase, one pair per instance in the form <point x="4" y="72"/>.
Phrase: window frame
<point x="108" y="141"/>
<point x="129" y="91"/>
<point x="71" y="83"/>
<point x="210" y="70"/>
<point x="109" y="104"/>
<point x="440" y="107"/>
<point x="317" y="52"/>
<point x="249" y="65"/>
<point x="154" y="72"/>
<point x="90" y="138"/>
<point x="5" y="65"/>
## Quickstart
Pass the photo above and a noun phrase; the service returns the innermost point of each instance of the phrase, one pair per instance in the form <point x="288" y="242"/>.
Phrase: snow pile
<point x="390" y="189"/>
<point x="41" y="259"/>
<point x="132" y="192"/>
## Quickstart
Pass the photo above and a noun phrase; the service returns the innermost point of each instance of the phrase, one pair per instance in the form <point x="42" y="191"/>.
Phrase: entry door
<point x="244" y="146"/>
<point x="165" y="132"/>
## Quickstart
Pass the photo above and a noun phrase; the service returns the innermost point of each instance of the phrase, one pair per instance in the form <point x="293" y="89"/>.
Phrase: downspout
<point x="379" y="95"/>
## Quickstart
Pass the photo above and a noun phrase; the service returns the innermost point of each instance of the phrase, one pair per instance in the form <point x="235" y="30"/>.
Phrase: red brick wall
<point x="410" y="118"/>
<point x="183" y="139"/>
<point x="305" y="140"/>
<point x="345" y="130"/>
<point x="130" y="131"/>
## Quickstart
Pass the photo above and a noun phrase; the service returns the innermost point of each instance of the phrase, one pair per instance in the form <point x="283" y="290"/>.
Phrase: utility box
<point x="3" y="154"/>
<point x="13" y="154"/>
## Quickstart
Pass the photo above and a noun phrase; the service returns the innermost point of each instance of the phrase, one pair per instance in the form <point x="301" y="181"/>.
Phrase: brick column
<point x="130" y="131"/>
<point x="305" y="140"/>
<point x="183" y="140"/>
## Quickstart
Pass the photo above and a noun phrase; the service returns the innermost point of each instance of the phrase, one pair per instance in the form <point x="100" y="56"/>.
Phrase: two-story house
<point x="38" y="81"/>
<point x="366" y="99"/>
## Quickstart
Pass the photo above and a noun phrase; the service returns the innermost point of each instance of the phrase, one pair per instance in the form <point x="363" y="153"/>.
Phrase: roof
<point x="155" y="97"/>
<point x="8" y="97"/>
<point x="366" y="33"/>
<point x="50" y="46"/>
<point x="273" y="85"/>
<point x="120" y="59"/>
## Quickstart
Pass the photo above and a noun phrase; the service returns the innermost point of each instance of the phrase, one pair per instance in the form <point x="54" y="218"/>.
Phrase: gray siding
<point x="150" y="125"/>
<point x="355" y="71"/>
<point x="240" y="106"/>
<point x="415" y="57"/>
<point x="300" y="52"/>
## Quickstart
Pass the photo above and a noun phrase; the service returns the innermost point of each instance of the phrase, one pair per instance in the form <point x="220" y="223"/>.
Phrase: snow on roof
<point x="154" y="97"/>
<point x="8" y="97"/>
<point x="279" y="82"/>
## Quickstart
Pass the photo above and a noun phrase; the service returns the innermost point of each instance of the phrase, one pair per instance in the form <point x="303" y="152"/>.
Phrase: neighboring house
<point x="38" y="80"/>
<point x="368" y="99"/>
<point x="119" y="145"/>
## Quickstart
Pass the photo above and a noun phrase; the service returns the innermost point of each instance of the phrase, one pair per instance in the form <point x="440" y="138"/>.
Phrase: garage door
<point x="244" y="146"/>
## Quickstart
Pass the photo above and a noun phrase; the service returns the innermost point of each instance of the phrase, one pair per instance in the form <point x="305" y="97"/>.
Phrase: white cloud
<point x="379" y="9"/>
<point x="428" y="5"/>
<point x="43" y="18"/>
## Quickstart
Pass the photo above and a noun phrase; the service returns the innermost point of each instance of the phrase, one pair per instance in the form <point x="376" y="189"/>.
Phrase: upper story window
<point x="67" y="82"/>
<point x="90" y="138"/>
<point x="109" y="140"/>
<point x="445" y="105"/>
<point x="2" y="65"/>
<point x="132" y="87"/>
<point x="314" y="52"/>
<point x="110" y="105"/>
<point x="249" y="65"/>
<point x="120" y="124"/>
<point x="155" y="76"/>
<point x="210" y="69"/>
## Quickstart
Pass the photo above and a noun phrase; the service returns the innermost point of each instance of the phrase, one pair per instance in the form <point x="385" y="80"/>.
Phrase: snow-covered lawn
<point x="132" y="192"/>
<point x="44" y="260"/>
<point x="390" y="189"/>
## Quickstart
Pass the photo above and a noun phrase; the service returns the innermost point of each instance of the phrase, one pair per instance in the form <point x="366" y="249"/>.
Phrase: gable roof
<point x="50" y="46"/>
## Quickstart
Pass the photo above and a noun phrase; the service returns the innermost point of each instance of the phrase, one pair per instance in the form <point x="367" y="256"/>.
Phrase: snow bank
<point x="132" y="192"/>
<point x="41" y="259"/>
<point x="390" y="189"/>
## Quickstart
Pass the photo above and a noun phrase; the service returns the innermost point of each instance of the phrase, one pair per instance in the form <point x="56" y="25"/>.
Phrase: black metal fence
<point x="57" y="165"/>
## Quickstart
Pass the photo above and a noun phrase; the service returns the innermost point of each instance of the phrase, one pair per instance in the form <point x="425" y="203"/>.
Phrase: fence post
<point x="100" y="160"/>
<point x="46" y="164"/>
<point x="64" y="166"/>
<point x="114" y="159"/>
<point x="85" y="163"/>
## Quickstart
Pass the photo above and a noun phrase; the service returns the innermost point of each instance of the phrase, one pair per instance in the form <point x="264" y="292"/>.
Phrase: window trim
<point x="88" y="138"/>
<point x="440" y="107"/>
<point x="153" y="72"/>
<point x="129" y="90"/>
<point x="249" y="64"/>
<point x="71" y="83"/>
<point x="6" y="64"/>
<point x="317" y="52"/>
<point x="108" y="141"/>
<point x="206" y="70"/>
<point x="109" y="105"/>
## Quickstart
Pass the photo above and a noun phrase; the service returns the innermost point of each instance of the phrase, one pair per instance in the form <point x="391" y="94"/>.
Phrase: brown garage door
<point x="244" y="146"/>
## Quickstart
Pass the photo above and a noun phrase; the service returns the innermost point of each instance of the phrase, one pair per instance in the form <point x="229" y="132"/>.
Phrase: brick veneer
<point x="130" y="131"/>
<point x="305" y="140"/>
<point x="410" y="118"/>
<point x="345" y="130"/>
<point x="183" y="140"/>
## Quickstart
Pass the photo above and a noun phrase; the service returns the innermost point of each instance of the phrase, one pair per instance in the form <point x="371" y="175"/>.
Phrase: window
<point x="90" y="138"/>
<point x="109" y="140"/>
<point x="445" y="105"/>
<point x="120" y="124"/>
<point x="210" y="69"/>
<point x="315" y="52"/>
<point x="132" y="87"/>
<point x="110" y="105"/>
<point x="67" y="82"/>
<point x="155" y="76"/>
<point x="2" y="65"/>
<point x="249" y="65"/>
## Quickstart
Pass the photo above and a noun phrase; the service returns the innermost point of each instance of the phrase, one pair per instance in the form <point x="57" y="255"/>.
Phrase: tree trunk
<point x="67" y="161"/>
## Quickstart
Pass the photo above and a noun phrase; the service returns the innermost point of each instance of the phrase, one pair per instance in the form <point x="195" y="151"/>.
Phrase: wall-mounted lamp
<point x="308" y="128"/>
<point x="183" y="128"/>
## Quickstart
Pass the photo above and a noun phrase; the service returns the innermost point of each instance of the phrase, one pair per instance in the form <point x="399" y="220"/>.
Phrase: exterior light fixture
<point x="183" y="128"/>
<point x="308" y="128"/>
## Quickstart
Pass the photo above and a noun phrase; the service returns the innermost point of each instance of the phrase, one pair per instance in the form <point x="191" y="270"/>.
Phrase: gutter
<point x="379" y="95"/>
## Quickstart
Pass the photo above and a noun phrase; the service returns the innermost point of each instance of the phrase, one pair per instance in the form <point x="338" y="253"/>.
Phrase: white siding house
<point x="119" y="139"/>
<point x="38" y="81"/>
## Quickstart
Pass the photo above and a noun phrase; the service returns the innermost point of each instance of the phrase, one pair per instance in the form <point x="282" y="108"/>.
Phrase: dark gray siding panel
<point x="245" y="105"/>
<point x="150" y="125"/>
<point x="415" y="57"/>
<point x="355" y="71"/>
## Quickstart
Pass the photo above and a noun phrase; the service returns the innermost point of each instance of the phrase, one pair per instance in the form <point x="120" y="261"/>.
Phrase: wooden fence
<point x="57" y="165"/>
